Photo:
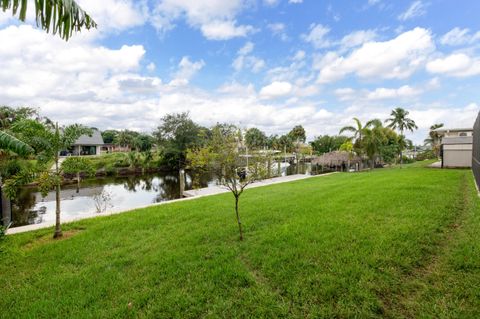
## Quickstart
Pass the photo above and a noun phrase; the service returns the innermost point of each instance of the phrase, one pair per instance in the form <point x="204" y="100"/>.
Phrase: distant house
<point x="88" y="145"/>
<point x="456" y="147"/>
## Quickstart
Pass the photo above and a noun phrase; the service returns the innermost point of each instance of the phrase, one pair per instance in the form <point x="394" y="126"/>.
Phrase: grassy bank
<point x="388" y="243"/>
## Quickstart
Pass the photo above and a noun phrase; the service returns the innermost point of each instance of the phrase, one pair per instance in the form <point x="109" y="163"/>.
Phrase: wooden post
<point x="182" y="182"/>
<point x="279" y="168"/>
<point x="6" y="207"/>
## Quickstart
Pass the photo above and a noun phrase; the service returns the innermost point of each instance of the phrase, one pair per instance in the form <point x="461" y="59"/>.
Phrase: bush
<point x="426" y="155"/>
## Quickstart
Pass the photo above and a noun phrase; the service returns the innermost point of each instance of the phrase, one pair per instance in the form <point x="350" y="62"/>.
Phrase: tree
<point x="58" y="16"/>
<point x="357" y="131"/>
<point x="372" y="140"/>
<point x="124" y="138"/>
<point x="77" y="165"/>
<point x="285" y="143"/>
<point x="176" y="134"/>
<point x="434" y="138"/>
<point x="109" y="136"/>
<point x="324" y="144"/>
<point x="399" y="120"/>
<point x="297" y="134"/>
<point x="48" y="143"/>
<point x="221" y="155"/>
<point x="255" y="139"/>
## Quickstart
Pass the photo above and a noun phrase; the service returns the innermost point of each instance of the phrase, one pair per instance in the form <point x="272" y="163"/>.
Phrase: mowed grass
<point x="388" y="243"/>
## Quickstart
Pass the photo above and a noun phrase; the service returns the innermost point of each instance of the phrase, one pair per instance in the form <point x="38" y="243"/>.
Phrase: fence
<point x="476" y="151"/>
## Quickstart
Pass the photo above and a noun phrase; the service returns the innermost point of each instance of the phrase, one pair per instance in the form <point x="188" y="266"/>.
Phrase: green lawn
<point x="389" y="243"/>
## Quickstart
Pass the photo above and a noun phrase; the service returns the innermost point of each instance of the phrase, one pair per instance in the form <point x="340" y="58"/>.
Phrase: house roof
<point x="443" y="130"/>
<point x="457" y="140"/>
<point x="95" y="139"/>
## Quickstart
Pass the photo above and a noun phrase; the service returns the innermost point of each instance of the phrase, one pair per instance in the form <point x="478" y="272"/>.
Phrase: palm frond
<point x="10" y="143"/>
<point x="57" y="16"/>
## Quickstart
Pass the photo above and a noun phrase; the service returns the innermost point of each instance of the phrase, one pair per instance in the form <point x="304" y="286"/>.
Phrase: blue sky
<point x="266" y="63"/>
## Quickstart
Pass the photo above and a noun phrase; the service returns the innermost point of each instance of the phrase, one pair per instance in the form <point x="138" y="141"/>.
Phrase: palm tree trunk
<point x="58" y="226"/>
<point x="401" y="153"/>
<point x="238" y="218"/>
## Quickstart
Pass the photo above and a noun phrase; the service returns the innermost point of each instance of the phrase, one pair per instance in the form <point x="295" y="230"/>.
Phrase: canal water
<point x="111" y="194"/>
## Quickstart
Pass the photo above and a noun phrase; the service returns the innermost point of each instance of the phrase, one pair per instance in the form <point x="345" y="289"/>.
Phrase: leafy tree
<point x="221" y="155"/>
<point x="357" y="131"/>
<point x="285" y="143"/>
<point x="58" y="16"/>
<point x="326" y="143"/>
<point x="109" y="136"/>
<point x="372" y="141"/>
<point x="77" y="166"/>
<point x="255" y="139"/>
<point x="176" y="134"/>
<point x="434" y="139"/>
<point x="297" y="134"/>
<point x="48" y="143"/>
<point x="10" y="115"/>
<point x="143" y="142"/>
<point x="399" y="120"/>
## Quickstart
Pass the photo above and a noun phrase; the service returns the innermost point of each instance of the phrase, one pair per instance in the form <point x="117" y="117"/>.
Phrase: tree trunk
<point x="401" y="155"/>
<point x="58" y="226"/>
<point x="78" y="182"/>
<point x="238" y="218"/>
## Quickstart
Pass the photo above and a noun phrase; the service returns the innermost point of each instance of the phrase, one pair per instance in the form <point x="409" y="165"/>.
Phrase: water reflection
<point x="125" y="193"/>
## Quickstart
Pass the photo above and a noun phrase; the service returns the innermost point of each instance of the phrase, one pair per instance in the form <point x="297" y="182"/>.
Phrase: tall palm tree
<point x="399" y="120"/>
<point x="358" y="129"/>
<point x="434" y="138"/>
<point x="58" y="16"/>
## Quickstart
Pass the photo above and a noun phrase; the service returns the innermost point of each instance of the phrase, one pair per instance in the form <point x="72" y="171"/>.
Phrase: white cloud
<point x="357" y="38"/>
<point x="388" y="93"/>
<point x="416" y="9"/>
<point x="278" y="29"/>
<point x="186" y="70"/>
<point x="246" y="61"/>
<point x="295" y="1"/>
<point x="396" y="58"/>
<point x="116" y="15"/>
<point x="151" y="67"/>
<point x="276" y="90"/>
<point x="215" y="18"/>
<point x="317" y="36"/>
<point x="457" y="64"/>
<point x="458" y="36"/>
<point x="403" y="92"/>
<point x="271" y="3"/>
<point x="225" y="30"/>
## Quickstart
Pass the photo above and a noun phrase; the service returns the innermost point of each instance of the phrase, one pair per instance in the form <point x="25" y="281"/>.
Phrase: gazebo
<point x="337" y="160"/>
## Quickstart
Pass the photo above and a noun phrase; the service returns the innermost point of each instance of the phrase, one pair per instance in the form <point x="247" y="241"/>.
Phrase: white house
<point x="88" y="145"/>
<point x="456" y="147"/>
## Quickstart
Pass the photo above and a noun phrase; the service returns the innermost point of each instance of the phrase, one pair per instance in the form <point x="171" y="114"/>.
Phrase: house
<point x="456" y="147"/>
<point x="88" y="145"/>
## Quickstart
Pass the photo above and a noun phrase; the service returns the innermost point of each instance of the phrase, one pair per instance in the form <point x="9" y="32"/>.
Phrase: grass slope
<point x="388" y="243"/>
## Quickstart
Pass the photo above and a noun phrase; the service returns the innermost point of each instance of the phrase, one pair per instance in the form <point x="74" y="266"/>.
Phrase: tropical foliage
<point x="62" y="17"/>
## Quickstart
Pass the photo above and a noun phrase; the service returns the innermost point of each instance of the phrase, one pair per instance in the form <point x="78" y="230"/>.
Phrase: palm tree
<point x="48" y="144"/>
<point x="434" y="138"/>
<point x="358" y="129"/>
<point x="372" y="140"/>
<point x="399" y="120"/>
<point x="59" y="16"/>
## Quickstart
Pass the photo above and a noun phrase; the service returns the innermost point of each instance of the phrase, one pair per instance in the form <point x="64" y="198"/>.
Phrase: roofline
<point x="453" y="129"/>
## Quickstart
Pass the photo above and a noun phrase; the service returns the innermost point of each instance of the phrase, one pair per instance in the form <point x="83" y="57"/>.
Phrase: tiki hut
<point x="337" y="160"/>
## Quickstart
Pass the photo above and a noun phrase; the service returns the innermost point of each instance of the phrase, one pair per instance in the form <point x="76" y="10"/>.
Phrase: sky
<point x="271" y="64"/>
